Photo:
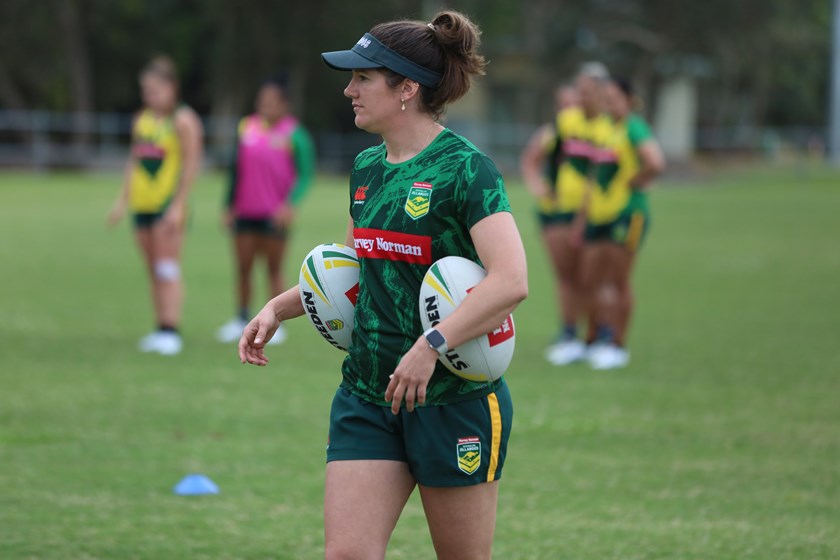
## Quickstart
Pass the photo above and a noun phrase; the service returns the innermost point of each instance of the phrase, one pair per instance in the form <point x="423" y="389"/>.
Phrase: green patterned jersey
<point x="405" y="217"/>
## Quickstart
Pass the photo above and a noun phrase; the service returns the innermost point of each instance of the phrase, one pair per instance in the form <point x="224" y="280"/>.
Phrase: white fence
<point x="42" y="140"/>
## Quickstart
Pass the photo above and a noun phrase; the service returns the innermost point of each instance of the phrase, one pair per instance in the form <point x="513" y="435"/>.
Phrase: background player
<point x="565" y="96"/>
<point x="617" y="220"/>
<point x="404" y="74"/>
<point x="166" y="152"/>
<point x="567" y="156"/>
<point x="272" y="170"/>
<point x="539" y="163"/>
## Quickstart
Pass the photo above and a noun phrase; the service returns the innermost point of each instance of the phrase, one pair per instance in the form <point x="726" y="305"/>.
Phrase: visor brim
<point x="348" y="60"/>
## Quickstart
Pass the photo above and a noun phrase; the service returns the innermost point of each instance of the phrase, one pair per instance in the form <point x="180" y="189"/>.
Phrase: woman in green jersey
<point x="400" y="420"/>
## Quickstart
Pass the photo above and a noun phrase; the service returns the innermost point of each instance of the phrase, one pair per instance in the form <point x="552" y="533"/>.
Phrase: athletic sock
<point x="244" y="315"/>
<point x="168" y="329"/>
<point x="605" y="334"/>
<point x="569" y="331"/>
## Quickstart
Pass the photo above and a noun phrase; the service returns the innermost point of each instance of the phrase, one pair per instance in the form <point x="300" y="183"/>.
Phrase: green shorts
<point x="628" y="230"/>
<point x="459" y="444"/>
<point x="547" y="219"/>
<point x="260" y="226"/>
<point x="143" y="220"/>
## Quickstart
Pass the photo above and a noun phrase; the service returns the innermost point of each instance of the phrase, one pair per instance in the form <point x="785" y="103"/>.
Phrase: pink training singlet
<point x="265" y="167"/>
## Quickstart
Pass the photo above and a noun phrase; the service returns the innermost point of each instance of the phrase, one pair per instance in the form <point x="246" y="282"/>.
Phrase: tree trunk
<point x="81" y="76"/>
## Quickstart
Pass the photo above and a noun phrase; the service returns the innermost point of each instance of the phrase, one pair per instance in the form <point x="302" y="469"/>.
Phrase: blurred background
<point x="720" y="440"/>
<point x="722" y="78"/>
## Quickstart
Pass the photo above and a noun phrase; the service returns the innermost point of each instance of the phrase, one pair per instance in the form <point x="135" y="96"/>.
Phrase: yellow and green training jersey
<point x="157" y="150"/>
<point x="607" y="203"/>
<point x="584" y="144"/>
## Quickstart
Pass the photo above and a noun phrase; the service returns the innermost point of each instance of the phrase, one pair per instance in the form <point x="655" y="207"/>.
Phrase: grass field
<point x="720" y="441"/>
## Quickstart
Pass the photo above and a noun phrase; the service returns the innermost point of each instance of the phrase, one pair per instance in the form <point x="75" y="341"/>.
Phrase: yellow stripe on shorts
<point x="634" y="232"/>
<point x="496" y="440"/>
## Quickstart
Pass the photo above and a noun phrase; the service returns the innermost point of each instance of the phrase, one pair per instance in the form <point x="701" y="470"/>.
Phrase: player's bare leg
<point x="362" y="503"/>
<point x="565" y="259"/>
<point x="462" y="520"/>
<point x="623" y="260"/>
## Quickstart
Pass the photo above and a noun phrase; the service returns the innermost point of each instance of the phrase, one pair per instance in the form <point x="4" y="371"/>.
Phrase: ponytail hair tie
<point x="431" y="26"/>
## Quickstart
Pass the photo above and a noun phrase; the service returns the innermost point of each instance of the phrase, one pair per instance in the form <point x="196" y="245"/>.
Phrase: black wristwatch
<point x="437" y="341"/>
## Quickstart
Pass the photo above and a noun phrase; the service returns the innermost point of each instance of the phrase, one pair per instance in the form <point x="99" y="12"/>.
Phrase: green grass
<point x="721" y="440"/>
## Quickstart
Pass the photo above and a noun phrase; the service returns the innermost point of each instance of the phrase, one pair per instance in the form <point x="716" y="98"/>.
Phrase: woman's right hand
<point x="116" y="213"/>
<point x="542" y="191"/>
<point x="256" y="334"/>
<point x="227" y="220"/>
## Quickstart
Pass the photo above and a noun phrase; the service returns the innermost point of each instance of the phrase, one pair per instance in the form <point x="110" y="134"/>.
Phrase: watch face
<point x="435" y="339"/>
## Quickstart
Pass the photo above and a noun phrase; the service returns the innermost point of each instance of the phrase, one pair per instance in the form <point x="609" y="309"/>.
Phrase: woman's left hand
<point x="284" y="216"/>
<point x="410" y="379"/>
<point x="174" y="215"/>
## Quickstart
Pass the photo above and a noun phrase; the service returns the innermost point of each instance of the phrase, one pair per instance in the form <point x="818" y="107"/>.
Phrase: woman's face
<point x="374" y="101"/>
<point x="590" y="92"/>
<point x="565" y="97"/>
<point x="158" y="93"/>
<point x="618" y="106"/>
<point x="271" y="103"/>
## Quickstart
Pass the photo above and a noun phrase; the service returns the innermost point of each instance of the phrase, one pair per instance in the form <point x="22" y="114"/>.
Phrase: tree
<point x="766" y="60"/>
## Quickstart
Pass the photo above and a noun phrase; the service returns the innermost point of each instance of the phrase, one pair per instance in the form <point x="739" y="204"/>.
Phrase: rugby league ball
<point x="445" y="286"/>
<point x="329" y="285"/>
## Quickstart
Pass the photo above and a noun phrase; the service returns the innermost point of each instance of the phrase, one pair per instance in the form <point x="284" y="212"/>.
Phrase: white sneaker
<point x="566" y="352"/>
<point x="280" y="336"/>
<point x="593" y="348"/>
<point x="608" y="356"/>
<point x="231" y="331"/>
<point x="149" y="342"/>
<point x="168" y="343"/>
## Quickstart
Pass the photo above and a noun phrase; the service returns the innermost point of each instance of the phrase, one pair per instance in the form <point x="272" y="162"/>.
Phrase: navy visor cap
<point x="369" y="53"/>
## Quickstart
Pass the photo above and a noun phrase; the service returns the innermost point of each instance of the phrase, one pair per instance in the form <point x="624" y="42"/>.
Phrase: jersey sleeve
<point x="482" y="190"/>
<point x="362" y="160"/>
<point x="304" y="154"/>
<point x="638" y="131"/>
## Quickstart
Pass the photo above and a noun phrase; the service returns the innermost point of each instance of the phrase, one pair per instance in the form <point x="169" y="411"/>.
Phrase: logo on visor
<point x="364" y="42"/>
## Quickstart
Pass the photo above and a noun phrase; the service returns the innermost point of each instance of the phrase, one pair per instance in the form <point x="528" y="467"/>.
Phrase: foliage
<point x="760" y="61"/>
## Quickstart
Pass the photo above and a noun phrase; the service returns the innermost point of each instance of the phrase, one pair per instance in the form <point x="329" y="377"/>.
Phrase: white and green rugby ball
<point x="445" y="286"/>
<point x="329" y="284"/>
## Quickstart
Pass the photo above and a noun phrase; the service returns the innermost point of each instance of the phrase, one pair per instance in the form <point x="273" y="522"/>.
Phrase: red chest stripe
<point x="148" y="151"/>
<point x="577" y="148"/>
<point x="391" y="245"/>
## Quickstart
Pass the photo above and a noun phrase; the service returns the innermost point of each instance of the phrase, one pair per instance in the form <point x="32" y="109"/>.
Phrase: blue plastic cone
<point x="195" y="485"/>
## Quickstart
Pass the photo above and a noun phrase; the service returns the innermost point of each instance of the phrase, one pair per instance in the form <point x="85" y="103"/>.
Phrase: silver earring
<point x="403" y="105"/>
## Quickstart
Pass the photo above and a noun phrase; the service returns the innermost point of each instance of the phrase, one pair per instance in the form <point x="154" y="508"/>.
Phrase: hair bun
<point x="459" y="38"/>
<point x="456" y="33"/>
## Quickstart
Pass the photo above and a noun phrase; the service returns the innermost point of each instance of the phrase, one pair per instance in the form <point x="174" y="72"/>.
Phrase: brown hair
<point x="162" y="67"/>
<point x="449" y="46"/>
